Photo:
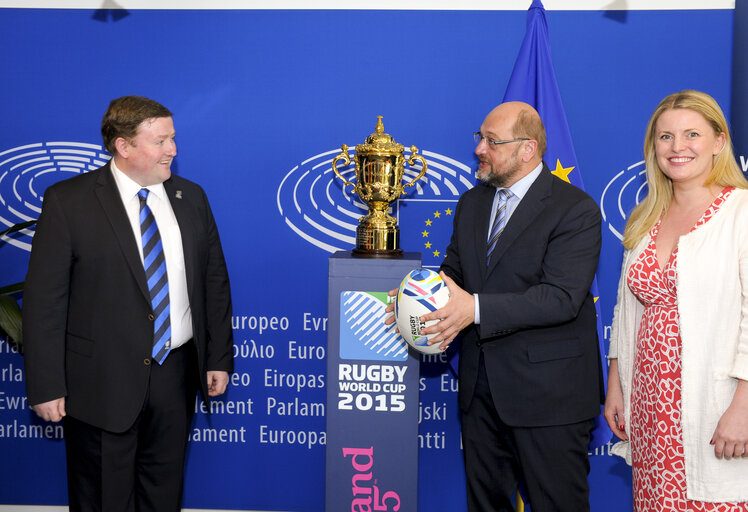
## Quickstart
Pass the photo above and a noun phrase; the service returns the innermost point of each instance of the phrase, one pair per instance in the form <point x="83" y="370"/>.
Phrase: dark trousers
<point x="550" y="463"/>
<point x="141" y="469"/>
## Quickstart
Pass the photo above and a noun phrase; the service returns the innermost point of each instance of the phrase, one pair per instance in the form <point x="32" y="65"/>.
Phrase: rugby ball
<point x="421" y="291"/>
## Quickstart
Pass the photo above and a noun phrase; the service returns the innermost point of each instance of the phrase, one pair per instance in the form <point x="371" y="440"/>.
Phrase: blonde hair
<point x="725" y="170"/>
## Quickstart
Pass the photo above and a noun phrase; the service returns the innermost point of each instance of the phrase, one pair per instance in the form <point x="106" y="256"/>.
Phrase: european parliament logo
<point x="622" y="193"/>
<point x="315" y="205"/>
<point x="26" y="172"/>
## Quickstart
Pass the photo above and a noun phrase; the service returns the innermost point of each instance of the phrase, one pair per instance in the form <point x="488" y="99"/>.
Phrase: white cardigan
<point x="712" y="287"/>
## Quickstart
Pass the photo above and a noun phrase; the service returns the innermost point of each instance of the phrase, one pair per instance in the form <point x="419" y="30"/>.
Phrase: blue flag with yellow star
<point x="429" y="225"/>
<point x="533" y="81"/>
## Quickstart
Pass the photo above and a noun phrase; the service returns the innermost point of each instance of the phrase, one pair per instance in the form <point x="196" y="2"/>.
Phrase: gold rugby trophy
<point x="379" y="174"/>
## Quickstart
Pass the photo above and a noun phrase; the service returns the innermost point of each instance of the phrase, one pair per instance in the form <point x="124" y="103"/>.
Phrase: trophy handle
<point x="413" y="157"/>
<point x="347" y="160"/>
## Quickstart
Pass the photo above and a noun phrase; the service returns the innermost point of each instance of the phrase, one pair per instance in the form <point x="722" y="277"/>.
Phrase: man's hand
<point x="54" y="410"/>
<point x="217" y="382"/>
<point x="454" y="317"/>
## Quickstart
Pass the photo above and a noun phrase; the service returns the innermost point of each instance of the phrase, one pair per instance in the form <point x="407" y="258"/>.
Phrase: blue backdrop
<point x="262" y="101"/>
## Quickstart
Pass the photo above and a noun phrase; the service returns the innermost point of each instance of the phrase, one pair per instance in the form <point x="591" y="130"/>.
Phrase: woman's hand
<point x="613" y="410"/>
<point x="730" y="438"/>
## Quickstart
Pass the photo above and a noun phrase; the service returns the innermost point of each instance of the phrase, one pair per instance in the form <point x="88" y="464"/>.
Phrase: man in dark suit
<point x="519" y="267"/>
<point x="126" y="313"/>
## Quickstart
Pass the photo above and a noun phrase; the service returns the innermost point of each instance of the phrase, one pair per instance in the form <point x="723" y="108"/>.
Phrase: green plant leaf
<point x="10" y="318"/>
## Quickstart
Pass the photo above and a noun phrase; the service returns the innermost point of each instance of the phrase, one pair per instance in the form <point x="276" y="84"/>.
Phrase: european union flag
<point x="533" y="81"/>
<point x="427" y="224"/>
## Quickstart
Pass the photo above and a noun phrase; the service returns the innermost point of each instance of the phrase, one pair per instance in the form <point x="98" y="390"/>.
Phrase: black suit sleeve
<point x="451" y="264"/>
<point x="220" y="342"/>
<point x="567" y="272"/>
<point x="45" y="304"/>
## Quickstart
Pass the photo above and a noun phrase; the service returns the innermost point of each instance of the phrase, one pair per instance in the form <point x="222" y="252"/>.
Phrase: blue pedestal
<point x="372" y="391"/>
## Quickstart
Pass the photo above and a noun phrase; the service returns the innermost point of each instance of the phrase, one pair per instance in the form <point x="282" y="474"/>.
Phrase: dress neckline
<point x="705" y="216"/>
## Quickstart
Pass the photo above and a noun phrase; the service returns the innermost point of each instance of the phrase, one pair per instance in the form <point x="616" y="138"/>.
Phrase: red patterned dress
<point x="655" y="430"/>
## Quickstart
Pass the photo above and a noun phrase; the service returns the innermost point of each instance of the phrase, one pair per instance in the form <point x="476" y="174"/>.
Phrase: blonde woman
<point x="678" y="380"/>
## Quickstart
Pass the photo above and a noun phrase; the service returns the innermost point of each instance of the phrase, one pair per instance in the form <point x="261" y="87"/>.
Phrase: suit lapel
<point x="111" y="202"/>
<point x="527" y="210"/>
<point x="184" y="215"/>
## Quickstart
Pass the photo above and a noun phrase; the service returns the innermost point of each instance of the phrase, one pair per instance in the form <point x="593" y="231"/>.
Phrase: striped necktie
<point x="158" y="282"/>
<point x="499" y="222"/>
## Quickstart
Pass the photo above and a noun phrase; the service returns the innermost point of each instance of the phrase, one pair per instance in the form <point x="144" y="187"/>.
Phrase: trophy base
<point x="374" y="253"/>
<point x="374" y="241"/>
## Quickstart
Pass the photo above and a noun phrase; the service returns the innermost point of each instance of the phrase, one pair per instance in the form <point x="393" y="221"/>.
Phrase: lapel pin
<point x="178" y="194"/>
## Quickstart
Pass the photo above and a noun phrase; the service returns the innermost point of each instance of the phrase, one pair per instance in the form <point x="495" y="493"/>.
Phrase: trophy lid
<point x="379" y="142"/>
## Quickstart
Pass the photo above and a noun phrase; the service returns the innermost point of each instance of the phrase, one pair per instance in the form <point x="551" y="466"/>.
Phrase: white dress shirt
<point x="171" y="239"/>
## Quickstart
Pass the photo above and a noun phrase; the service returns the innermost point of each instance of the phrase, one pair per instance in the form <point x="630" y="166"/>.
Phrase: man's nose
<point x="482" y="147"/>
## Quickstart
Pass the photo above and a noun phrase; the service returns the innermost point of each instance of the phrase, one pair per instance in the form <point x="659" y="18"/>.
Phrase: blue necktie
<point x="158" y="282"/>
<point x="498" y="223"/>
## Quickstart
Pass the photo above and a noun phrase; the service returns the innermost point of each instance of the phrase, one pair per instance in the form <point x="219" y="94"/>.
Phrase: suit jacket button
<point x="151" y="317"/>
<point x="147" y="361"/>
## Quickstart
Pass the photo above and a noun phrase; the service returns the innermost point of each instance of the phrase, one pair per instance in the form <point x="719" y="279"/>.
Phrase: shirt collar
<point x="128" y="189"/>
<point x="520" y="188"/>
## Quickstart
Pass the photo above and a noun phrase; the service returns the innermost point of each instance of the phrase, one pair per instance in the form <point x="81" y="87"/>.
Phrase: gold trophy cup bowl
<point x="379" y="174"/>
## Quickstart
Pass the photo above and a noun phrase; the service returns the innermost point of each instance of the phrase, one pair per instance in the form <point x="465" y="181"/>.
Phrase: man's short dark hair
<point x="124" y="115"/>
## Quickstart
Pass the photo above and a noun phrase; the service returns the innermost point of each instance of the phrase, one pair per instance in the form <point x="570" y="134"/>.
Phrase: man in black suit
<point x="126" y="313"/>
<point x="519" y="267"/>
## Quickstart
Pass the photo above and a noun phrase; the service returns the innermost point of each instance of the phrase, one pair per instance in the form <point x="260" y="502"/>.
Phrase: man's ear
<point x="122" y="146"/>
<point x="529" y="149"/>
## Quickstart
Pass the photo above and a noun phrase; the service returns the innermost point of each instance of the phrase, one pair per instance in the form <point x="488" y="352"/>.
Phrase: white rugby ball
<point x="421" y="291"/>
